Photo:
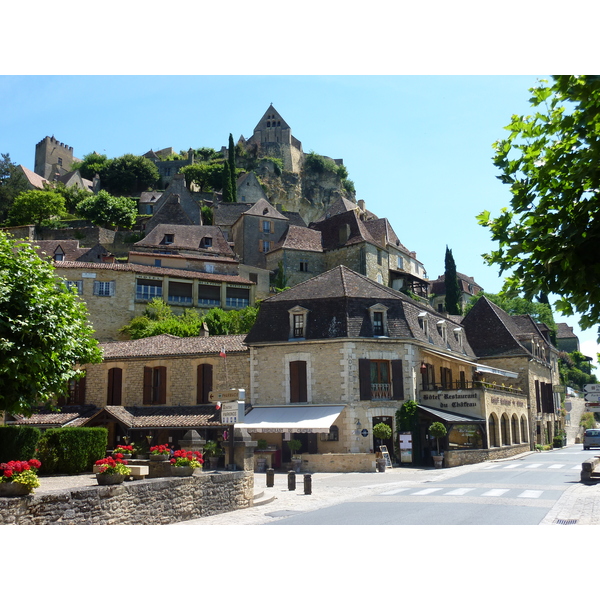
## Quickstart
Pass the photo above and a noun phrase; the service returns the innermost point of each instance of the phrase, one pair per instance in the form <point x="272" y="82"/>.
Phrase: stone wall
<point x="147" y="502"/>
<point x="456" y="458"/>
<point x="338" y="463"/>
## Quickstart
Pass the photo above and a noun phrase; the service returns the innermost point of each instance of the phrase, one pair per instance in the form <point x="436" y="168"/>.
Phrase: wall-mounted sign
<point x="364" y="433"/>
<point x="232" y="412"/>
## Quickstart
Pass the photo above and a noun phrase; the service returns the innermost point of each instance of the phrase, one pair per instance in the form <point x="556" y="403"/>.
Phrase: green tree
<point x="92" y="164"/>
<point x="452" y="302"/>
<point x="12" y="183"/>
<point x="72" y="195"/>
<point x="549" y="240"/>
<point x="35" y="207"/>
<point x="207" y="176"/>
<point x="44" y="330"/>
<point x="229" y="194"/>
<point x="575" y="370"/>
<point x="232" y="171"/>
<point x="108" y="211"/>
<point x="129" y="175"/>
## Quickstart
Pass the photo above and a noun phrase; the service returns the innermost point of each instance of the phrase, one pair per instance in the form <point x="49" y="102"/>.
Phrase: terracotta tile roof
<point x="66" y="416"/>
<point x="34" y="179"/>
<point x="133" y="268"/>
<point x="170" y="345"/>
<point x="162" y="417"/>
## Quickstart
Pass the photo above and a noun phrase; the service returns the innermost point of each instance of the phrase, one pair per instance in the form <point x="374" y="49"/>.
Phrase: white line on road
<point x="426" y="491"/>
<point x="512" y="466"/>
<point x="556" y="466"/>
<point x="531" y="494"/>
<point x="495" y="492"/>
<point x="459" y="492"/>
<point x="534" y="466"/>
<point x="393" y="492"/>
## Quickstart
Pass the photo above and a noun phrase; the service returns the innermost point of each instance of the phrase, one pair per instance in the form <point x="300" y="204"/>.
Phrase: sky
<point x="417" y="147"/>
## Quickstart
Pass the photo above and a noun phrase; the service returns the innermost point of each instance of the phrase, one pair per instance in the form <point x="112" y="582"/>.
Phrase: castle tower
<point x="52" y="157"/>
<point x="273" y="137"/>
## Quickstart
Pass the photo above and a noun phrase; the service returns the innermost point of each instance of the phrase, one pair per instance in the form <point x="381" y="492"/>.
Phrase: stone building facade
<point x="52" y="158"/>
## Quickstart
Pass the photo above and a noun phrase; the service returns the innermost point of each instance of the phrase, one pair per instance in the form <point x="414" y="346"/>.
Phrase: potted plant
<point x="160" y="452"/>
<point x="437" y="430"/>
<point x="185" y="462"/>
<point x="19" y="477"/>
<point x="124" y="451"/>
<point x="111" y="471"/>
<point x="381" y="431"/>
<point x="294" y="446"/>
<point x="212" y="451"/>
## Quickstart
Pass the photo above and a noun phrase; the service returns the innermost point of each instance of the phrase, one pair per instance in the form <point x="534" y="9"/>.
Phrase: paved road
<point x="535" y="488"/>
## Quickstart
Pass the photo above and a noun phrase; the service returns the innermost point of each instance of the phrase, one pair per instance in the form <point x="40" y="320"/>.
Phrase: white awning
<point x="478" y="367"/>
<point x="291" y="418"/>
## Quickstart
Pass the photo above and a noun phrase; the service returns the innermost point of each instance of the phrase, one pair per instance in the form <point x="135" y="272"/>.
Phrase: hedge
<point x="71" y="450"/>
<point x="18" y="443"/>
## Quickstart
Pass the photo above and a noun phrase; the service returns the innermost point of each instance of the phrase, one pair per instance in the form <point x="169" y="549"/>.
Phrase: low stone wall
<point x="144" y="502"/>
<point x="456" y="458"/>
<point x="338" y="463"/>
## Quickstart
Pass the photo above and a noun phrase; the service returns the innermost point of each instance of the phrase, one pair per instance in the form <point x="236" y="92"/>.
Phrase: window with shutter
<point x="115" y="383"/>
<point x="155" y="385"/>
<point x="204" y="383"/>
<point x="298" y="387"/>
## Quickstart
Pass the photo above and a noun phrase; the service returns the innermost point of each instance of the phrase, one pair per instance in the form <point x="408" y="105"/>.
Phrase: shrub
<point x="72" y="450"/>
<point x="18" y="442"/>
<point x="382" y="431"/>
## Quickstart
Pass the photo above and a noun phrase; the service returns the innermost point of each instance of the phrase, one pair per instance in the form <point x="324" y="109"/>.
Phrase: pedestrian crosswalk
<point x="481" y="492"/>
<point x="532" y="466"/>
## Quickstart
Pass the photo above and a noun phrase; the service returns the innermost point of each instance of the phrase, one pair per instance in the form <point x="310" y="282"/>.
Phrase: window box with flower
<point x="19" y="477"/>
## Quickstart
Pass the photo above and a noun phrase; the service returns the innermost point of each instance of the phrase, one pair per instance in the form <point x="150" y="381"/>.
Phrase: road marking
<point x="459" y="492"/>
<point x="491" y="467"/>
<point x="495" y="492"/>
<point x="531" y="494"/>
<point x="426" y="491"/>
<point x="393" y="492"/>
<point x="534" y="466"/>
<point x="512" y="466"/>
<point x="578" y="467"/>
<point x="556" y="466"/>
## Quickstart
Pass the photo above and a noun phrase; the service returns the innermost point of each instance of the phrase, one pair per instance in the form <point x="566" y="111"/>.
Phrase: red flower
<point x="34" y="463"/>
<point x="8" y="473"/>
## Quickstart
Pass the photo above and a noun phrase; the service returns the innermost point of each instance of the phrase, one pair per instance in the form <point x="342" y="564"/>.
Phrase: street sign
<point x="591" y="387"/>
<point x="592" y="397"/>
<point x="232" y="412"/>
<point x="592" y="405"/>
<point x="225" y="396"/>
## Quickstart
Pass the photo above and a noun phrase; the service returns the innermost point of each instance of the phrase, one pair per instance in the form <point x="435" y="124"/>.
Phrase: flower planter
<point x="182" y="471"/>
<point x="12" y="488"/>
<point x="159" y="457"/>
<point x="109" y="479"/>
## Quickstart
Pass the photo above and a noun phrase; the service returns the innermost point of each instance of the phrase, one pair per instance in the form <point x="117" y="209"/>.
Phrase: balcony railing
<point x="469" y="385"/>
<point x="381" y="390"/>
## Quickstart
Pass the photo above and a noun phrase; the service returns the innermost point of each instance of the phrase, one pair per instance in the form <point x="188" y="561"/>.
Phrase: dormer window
<point x="441" y="329"/>
<point x="378" y="315"/>
<point x="206" y="242"/>
<point x="458" y="336"/>
<point x="298" y="322"/>
<point x="422" y="318"/>
<point x="168" y="239"/>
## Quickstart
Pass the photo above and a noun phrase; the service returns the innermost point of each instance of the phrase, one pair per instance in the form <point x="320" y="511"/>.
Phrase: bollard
<point x="270" y="477"/>
<point x="308" y="484"/>
<point x="291" y="480"/>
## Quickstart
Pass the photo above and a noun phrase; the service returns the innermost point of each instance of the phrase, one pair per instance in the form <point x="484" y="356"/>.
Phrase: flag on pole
<point x="222" y="353"/>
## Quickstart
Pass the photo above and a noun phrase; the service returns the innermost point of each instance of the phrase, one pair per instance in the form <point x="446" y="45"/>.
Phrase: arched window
<point x="515" y="429"/>
<point x="505" y="430"/>
<point x="492" y="431"/>
<point x="524" y="436"/>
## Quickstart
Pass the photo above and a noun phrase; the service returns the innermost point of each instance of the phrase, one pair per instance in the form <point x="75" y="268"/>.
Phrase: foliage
<point x="112" y="466"/>
<point x="206" y="154"/>
<point x="92" y="164"/>
<point x="207" y="176"/>
<point x="382" y="431"/>
<point x="262" y="444"/>
<point x="12" y="183"/>
<point x="437" y="430"/>
<point x="18" y="441"/>
<point x="187" y="458"/>
<point x="72" y="195"/>
<point x="232" y="170"/>
<point x="294" y="445"/>
<point x="588" y="420"/>
<point x="549" y="239"/>
<point x="452" y="303"/>
<point x="108" y="211"/>
<point x="229" y="192"/>
<point x="160" y="449"/>
<point x="35" y="207"/>
<point x="21" y="471"/>
<point x="575" y="370"/>
<point x="207" y="215"/>
<point x="72" y="449"/>
<point x="406" y="416"/>
<point x="44" y="330"/>
<point x="129" y="175"/>
<point x="211" y="448"/>
<point x="230" y="322"/>
<point x="280" y="279"/>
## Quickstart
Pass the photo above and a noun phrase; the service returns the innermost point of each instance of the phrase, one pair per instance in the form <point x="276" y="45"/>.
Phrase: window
<point x="180" y="293"/>
<point x="104" y="288"/>
<point x="379" y="257"/>
<point x="378" y="316"/>
<point x="267" y="226"/>
<point x="400" y="262"/>
<point x="441" y="329"/>
<point x="155" y="385"/>
<point x="75" y="394"/>
<point x="446" y="378"/>
<point x="237" y="297"/>
<point x="207" y="242"/>
<point x="381" y="379"/>
<point x="204" y="383"/>
<point x="264" y="245"/>
<point x="209" y="295"/>
<point x="298" y="322"/>
<point x="169" y="238"/>
<point x="304" y="266"/>
<point x="115" y="384"/>
<point x="427" y="377"/>
<point x="378" y="323"/>
<point x="59" y="255"/>
<point x="298" y="382"/>
<point x="422" y="318"/>
<point x="158" y="262"/>
<point x="146" y="289"/>
<point x="332" y="436"/>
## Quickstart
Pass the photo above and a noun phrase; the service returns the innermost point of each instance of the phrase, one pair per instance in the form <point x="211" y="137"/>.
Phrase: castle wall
<point x="50" y="154"/>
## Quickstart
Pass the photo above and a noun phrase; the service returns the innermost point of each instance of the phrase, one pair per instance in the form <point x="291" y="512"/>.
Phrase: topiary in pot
<point x="382" y="431"/>
<point x="294" y="446"/>
<point x="437" y="430"/>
